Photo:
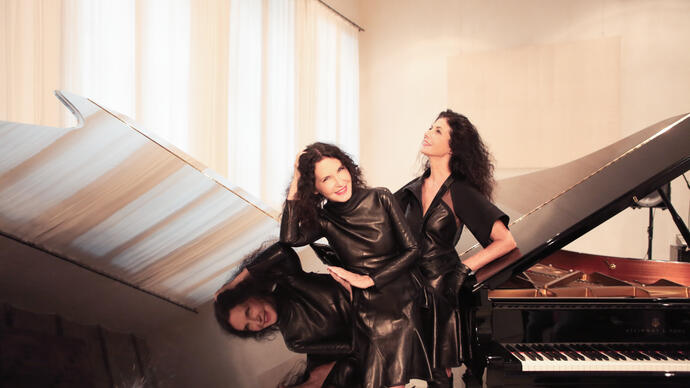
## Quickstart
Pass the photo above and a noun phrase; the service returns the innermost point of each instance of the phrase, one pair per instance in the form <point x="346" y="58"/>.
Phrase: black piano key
<point x="684" y="354"/>
<point x="544" y="351"/>
<point x="555" y="353"/>
<point x="598" y="354"/>
<point x="574" y="353"/>
<point x="609" y="352"/>
<point x="530" y="350"/>
<point x="515" y="352"/>
<point x="651" y="354"/>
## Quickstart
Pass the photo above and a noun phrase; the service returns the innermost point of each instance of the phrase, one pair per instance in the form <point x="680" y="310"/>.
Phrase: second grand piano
<point x="542" y="316"/>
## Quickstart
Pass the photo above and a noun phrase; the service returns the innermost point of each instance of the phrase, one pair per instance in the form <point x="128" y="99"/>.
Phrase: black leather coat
<point x="456" y="204"/>
<point x="371" y="237"/>
<point x="314" y="311"/>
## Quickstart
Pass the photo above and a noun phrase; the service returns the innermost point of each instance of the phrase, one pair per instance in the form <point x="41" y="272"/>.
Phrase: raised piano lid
<point x="553" y="207"/>
<point x="109" y="196"/>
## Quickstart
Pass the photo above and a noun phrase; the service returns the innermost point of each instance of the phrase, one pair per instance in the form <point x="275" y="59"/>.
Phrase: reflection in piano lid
<point x="538" y="297"/>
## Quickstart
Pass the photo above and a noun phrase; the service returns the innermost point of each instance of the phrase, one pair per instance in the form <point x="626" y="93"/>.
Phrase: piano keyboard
<point x="603" y="357"/>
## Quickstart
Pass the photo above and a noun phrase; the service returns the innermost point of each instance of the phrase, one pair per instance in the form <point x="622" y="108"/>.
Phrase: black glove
<point x="461" y="277"/>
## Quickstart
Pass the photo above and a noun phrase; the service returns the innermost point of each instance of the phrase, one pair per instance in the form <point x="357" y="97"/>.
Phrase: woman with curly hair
<point x="455" y="190"/>
<point x="377" y="252"/>
<point x="271" y="293"/>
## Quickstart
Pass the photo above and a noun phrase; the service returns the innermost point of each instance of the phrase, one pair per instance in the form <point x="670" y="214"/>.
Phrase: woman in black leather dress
<point x="313" y="313"/>
<point x="367" y="230"/>
<point x="455" y="190"/>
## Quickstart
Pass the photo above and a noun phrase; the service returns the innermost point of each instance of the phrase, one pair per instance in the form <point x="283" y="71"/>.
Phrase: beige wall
<point x="404" y="73"/>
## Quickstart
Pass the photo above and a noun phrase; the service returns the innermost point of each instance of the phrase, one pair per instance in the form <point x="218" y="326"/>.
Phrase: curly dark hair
<point x="470" y="158"/>
<point x="308" y="200"/>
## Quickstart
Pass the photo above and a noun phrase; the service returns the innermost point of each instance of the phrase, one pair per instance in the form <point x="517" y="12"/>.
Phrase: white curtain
<point x="241" y="85"/>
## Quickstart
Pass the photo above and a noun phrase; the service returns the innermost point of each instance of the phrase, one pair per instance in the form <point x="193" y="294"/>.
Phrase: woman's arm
<point x="487" y="223"/>
<point x="502" y="243"/>
<point x="275" y="261"/>
<point x="233" y="282"/>
<point x="292" y="232"/>
<point x="408" y="244"/>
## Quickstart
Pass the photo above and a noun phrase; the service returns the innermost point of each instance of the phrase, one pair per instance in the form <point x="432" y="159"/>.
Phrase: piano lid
<point x="553" y="207"/>
<point x="115" y="199"/>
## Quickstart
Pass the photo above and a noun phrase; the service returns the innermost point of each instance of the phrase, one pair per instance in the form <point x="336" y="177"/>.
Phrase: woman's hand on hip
<point x="356" y="280"/>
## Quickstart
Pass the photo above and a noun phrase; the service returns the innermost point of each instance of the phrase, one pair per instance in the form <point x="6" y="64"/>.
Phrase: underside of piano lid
<point x="553" y="207"/>
<point x="113" y="198"/>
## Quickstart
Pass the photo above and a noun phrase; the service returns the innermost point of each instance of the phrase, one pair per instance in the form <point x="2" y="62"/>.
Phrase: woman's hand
<point x="342" y="282"/>
<point x="292" y="192"/>
<point x="455" y="282"/>
<point x="356" y="280"/>
<point x="234" y="282"/>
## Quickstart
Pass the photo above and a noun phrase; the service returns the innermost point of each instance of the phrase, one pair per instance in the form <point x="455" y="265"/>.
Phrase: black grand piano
<point x="542" y="316"/>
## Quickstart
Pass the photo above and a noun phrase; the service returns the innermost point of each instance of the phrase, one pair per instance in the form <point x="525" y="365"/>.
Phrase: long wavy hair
<point x="470" y="158"/>
<point x="308" y="200"/>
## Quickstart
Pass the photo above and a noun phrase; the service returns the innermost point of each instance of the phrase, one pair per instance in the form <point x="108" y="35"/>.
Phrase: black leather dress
<point x="457" y="203"/>
<point x="370" y="236"/>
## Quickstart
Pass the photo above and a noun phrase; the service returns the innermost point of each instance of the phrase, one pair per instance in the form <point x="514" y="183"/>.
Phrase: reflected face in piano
<point x="254" y="314"/>
<point x="436" y="142"/>
<point x="333" y="180"/>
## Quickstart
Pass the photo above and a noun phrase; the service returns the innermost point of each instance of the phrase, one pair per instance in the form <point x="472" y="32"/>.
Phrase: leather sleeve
<point x="292" y="232"/>
<point x="275" y="261"/>
<point x="323" y="347"/>
<point x="408" y="245"/>
<point x="326" y="254"/>
<point x="476" y="211"/>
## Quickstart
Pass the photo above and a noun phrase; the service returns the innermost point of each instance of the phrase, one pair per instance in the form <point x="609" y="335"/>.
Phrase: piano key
<point x="515" y="352"/>
<point x="617" y="360"/>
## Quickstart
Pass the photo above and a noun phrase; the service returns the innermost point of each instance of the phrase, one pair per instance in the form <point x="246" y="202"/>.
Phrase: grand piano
<point x="542" y="316"/>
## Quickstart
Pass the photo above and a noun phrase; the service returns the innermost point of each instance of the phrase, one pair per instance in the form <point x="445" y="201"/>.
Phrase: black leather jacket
<point x="456" y="204"/>
<point x="314" y="311"/>
<point x="368" y="232"/>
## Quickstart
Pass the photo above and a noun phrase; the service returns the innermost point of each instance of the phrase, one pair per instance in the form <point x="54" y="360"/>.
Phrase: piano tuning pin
<point x="610" y="265"/>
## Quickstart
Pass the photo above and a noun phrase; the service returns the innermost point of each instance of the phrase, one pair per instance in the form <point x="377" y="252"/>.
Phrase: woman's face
<point x="252" y="315"/>
<point x="333" y="180"/>
<point x="437" y="139"/>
